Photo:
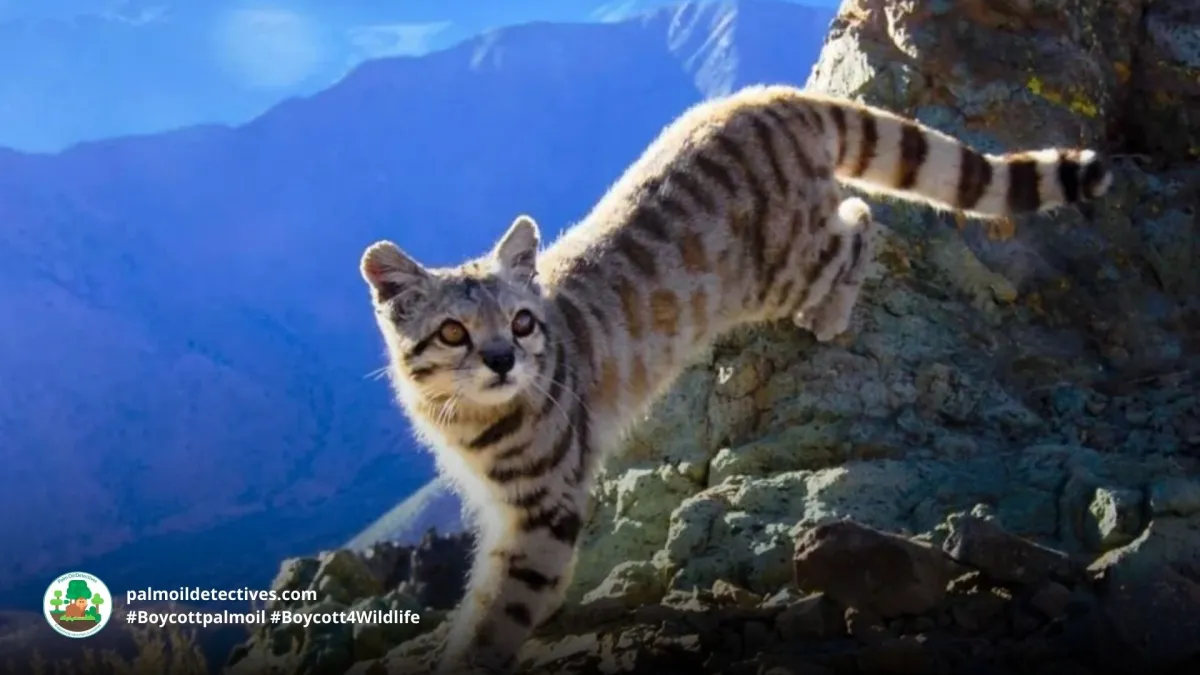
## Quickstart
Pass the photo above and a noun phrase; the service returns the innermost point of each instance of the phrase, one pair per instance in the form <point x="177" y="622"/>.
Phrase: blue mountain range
<point x="187" y="349"/>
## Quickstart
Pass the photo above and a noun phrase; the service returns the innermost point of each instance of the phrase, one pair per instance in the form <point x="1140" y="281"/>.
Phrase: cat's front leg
<point x="517" y="580"/>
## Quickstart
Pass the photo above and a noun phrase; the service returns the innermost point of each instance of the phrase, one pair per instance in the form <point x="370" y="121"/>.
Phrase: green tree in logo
<point x="94" y="610"/>
<point x="57" y="602"/>
<point x="77" y="589"/>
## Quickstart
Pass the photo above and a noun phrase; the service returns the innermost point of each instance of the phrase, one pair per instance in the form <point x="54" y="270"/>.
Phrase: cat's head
<point x="474" y="334"/>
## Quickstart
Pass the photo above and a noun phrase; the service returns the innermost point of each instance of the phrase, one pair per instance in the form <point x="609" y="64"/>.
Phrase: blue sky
<point x="77" y="70"/>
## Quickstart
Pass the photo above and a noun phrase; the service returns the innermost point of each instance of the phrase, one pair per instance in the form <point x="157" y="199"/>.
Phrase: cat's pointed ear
<point x="391" y="272"/>
<point x="516" y="252"/>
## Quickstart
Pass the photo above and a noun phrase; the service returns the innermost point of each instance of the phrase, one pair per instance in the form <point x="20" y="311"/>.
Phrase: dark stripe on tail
<point x="839" y="121"/>
<point x="869" y="140"/>
<point x="1095" y="174"/>
<point x="974" y="177"/>
<point x="914" y="148"/>
<point x="1068" y="177"/>
<point x="1023" y="193"/>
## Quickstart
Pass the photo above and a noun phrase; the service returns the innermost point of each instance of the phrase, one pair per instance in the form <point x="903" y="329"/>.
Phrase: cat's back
<point x="721" y="153"/>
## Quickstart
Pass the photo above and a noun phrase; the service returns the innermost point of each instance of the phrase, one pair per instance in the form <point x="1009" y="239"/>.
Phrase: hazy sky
<point x="73" y="70"/>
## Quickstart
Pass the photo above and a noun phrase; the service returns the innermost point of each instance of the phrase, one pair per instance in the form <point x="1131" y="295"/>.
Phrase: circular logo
<point x="77" y="605"/>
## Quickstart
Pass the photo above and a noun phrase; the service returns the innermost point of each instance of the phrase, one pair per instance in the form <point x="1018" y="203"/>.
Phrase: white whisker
<point x="574" y="393"/>
<point x="446" y="410"/>
<point x="377" y="374"/>
<point x="544" y="392"/>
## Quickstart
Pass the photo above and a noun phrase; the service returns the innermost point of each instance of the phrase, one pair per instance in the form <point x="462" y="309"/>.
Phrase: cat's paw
<point x="804" y="320"/>
<point x="829" y="319"/>
<point x="828" y="331"/>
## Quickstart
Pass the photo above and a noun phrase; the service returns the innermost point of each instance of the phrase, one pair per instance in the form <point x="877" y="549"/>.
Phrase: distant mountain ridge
<point x="433" y="507"/>
<point x="186" y="373"/>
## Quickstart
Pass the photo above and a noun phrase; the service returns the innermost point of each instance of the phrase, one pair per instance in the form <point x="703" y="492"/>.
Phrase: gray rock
<point x="870" y="570"/>
<point x="389" y="563"/>
<point x="1165" y="600"/>
<point x="627" y="521"/>
<point x="373" y="640"/>
<point x="1002" y="556"/>
<point x="1175" y="496"/>
<point x="1051" y="599"/>
<point x="439" y="569"/>
<point x="727" y="594"/>
<point x="348" y="579"/>
<point x="344" y="577"/>
<point x="294" y="574"/>
<point x="1166" y="542"/>
<point x="1117" y="514"/>
<point x="632" y="583"/>
<point x="327" y="652"/>
<point x="899" y="656"/>
<point x="814" y="616"/>
<point x="756" y="636"/>
<point x="784" y="597"/>
<point x="864" y="625"/>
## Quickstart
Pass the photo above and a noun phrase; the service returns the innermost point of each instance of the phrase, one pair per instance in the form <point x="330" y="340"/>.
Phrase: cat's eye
<point x="452" y="333"/>
<point x="523" y="323"/>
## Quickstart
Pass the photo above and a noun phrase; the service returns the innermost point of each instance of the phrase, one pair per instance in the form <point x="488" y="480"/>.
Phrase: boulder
<point x="1000" y="555"/>
<point x="872" y="571"/>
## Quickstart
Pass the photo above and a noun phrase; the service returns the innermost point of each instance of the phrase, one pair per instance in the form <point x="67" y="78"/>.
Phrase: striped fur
<point x="732" y="216"/>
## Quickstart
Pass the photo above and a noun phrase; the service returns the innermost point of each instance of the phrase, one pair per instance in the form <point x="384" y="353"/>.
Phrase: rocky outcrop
<point x="1040" y="372"/>
<point x="998" y="468"/>
<point x="874" y="602"/>
<point x="426" y="579"/>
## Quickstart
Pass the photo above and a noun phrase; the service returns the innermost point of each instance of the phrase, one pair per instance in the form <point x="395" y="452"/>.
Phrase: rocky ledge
<point x="861" y="601"/>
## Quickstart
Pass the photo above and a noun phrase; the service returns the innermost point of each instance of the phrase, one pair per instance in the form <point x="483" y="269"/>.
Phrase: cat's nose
<point x="499" y="359"/>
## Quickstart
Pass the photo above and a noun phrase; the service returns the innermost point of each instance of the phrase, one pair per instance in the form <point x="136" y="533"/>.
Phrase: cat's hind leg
<point x="828" y="316"/>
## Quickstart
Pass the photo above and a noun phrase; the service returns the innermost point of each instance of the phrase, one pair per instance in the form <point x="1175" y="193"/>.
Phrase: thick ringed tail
<point x="883" y="152"/>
